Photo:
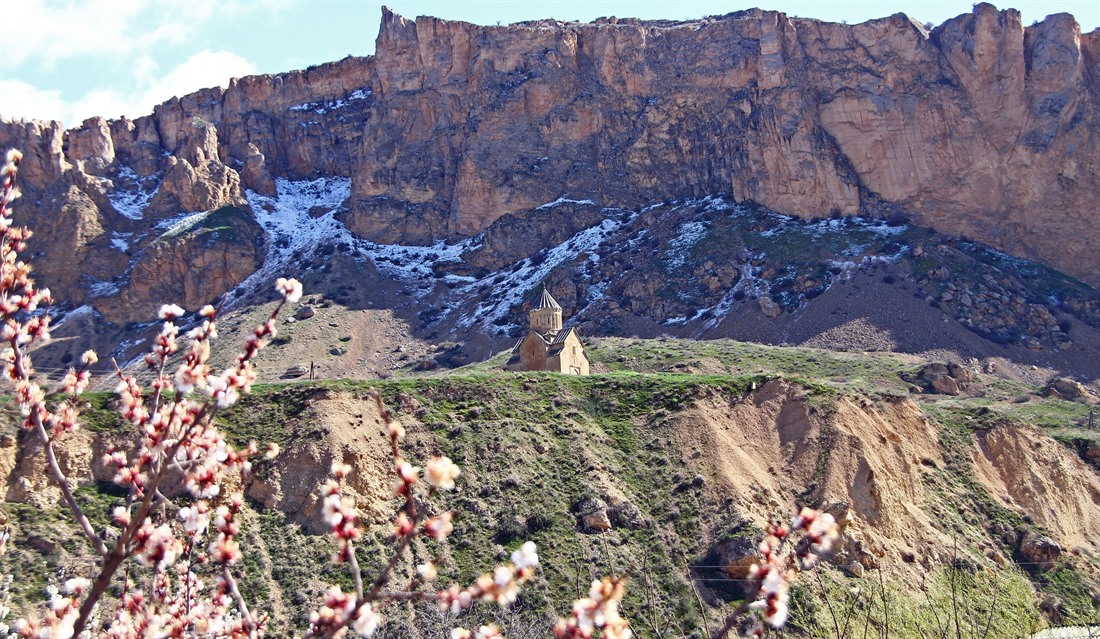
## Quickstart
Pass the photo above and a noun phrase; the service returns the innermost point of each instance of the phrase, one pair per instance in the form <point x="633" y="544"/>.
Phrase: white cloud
<point x="146" y="90"/>
<point x="23" y="100"/>
<point x="49" y="32"/>
<point x="72" y="59"/>
<point x="201" y="70"/>
<point x="52" y="32"/>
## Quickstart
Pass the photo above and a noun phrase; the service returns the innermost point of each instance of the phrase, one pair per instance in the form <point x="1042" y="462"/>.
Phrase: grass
<point x="264" y="415"/>
<point x="867" y="373"/>
<point x="1071" y="596"/>
<point x="220" y="225"/>
<point x="99" y="415"/>
<point x="951" y="602"/>
<point x="532" y="446"/>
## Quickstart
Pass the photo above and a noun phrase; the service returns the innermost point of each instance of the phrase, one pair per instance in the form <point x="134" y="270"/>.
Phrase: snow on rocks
<point x="324" y="106"/>
<point x="512" y="283"/>
<point x="133" y="193"/>
<point x="296" y="231"/>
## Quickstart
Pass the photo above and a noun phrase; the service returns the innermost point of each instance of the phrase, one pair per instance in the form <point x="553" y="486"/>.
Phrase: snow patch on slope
<point x="563" y="200"/>
<point x="133" y="193"/>
<point x="121" y="241"/>
<point x="690" y="234"/>
<point x="180" y="224"/>
<point x="511" y="284"/>
<point x="324" y="106"/>
<point x="296" y="231"/>
<point x="101" y="288"/>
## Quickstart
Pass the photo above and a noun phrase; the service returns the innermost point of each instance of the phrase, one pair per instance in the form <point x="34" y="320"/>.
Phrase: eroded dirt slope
<point x="1031" y="473"/>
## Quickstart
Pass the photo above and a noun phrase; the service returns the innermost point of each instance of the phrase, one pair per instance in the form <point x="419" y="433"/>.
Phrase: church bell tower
<point x="545" y="317"/>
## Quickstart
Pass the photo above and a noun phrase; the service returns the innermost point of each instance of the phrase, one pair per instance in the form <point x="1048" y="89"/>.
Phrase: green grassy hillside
<point x="535" y="447"/>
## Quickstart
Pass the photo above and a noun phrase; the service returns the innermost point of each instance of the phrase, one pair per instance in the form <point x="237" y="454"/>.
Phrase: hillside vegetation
<point x="686" y="448"/>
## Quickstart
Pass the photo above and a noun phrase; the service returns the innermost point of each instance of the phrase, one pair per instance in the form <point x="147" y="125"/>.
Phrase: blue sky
<point x="72" y="59"/>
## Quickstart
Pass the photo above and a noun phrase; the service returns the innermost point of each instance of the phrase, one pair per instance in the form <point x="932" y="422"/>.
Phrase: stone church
<point x="547" y="347"/>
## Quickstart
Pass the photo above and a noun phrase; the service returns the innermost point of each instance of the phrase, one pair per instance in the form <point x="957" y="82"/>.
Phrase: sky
<point x="73" y="59"/>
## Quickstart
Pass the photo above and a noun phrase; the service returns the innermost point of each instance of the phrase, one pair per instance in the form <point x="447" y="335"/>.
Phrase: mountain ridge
<point x="463" y="154"/>
<point x="659" y="180"/>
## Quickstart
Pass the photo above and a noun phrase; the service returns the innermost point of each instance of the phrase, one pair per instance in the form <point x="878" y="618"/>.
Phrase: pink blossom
<point x="440" y="526"/>
<point x="170" y="312"/>
<point x="366" y="621"/>
<point x="600" y="610"/>
<point x="441" y="472"/>
<point x="407" y="472"/>
<point x="290" y="289"/>
<point x="526" y="556"/>
<point x="427" y="571"/>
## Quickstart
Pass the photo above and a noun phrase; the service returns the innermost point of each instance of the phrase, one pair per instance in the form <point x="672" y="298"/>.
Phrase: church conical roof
<point x="547" y="301"/>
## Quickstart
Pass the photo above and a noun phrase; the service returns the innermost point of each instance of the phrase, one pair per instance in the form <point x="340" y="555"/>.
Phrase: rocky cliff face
<point x="981" y="127"/>
<point x="105" y="197"/>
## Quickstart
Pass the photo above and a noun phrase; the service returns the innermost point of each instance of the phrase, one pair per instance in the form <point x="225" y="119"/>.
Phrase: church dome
<point x="546" y="300"/>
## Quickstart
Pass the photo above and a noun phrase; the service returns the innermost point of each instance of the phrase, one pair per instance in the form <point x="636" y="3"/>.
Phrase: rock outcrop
<point x="1040" y="550"/>
<point x="946" y="379"/>
<point x="194" y="265"/>
<point x="95" y="194"/>
<point x="980" y="127"/>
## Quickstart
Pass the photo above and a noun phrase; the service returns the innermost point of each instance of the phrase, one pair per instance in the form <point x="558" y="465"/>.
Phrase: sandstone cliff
<point x="101" y="195"/>
<point x="981" y="127"/>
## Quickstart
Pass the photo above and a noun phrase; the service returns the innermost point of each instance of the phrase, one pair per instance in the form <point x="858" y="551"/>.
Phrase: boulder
<point x="627" y="515"/>
<point x="946" y="379"/>
<point x="842" y="514"/>
<point x="1066" y="388"/>
<point x="959" y="373"/>
<point x="592" y="512"/>
<point x="597" y="521"/>
<point x="944" y="385"/>
<point x="296" y="371"/>
<point x="736" y="556"/>
<point x="1040" y="550"/>
<point x="769" y="308"/>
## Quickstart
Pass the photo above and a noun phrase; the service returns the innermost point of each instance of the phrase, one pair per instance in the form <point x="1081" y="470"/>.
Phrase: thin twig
<point x="954" y="591"/>
<point x="853" y="599"/>
<point x="21" y="372"/>
<point x="829" y="603"/>
<point x="356" y="573"/>
<point x="699" y="602"/>
<point x="231" y="584"/>
<point x="885" y="610"/>
<point x="733" y="617"/>
<point x="63" y="484"/>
